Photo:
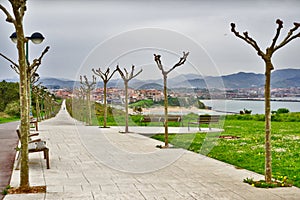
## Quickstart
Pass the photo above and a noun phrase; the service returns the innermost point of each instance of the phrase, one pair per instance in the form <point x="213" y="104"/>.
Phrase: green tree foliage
<point x="9" y="92"/>
<point x="13" y="108"/>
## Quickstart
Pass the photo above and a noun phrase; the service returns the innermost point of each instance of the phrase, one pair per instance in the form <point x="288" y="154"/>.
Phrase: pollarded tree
<point x="35" y="90"/>
<point x="23" y="67"/>
<point x="87" y="87"/>
<point x="165" y="76"/>
<point x="126" y="78"/>
<point x="267" y="58"/>
<point x="105" y="76"/>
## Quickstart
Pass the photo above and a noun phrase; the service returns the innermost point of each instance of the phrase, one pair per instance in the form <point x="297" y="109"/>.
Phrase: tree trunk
<point x="37" y="108"/>
<point x="89" y="121"/>
<point x="105" y="105"/>
<point x="126" y="106"/>
<point x="166" y="111"/>
<point x="24" y="99"/>
<point x="268" y="150"/>
<point x="29" y="90"/>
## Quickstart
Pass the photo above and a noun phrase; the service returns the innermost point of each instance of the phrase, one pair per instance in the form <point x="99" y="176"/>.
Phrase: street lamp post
<point x="35" y="38"/>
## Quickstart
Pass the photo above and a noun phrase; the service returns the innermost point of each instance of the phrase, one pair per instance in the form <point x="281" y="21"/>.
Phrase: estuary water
<point x="257" y="107"/>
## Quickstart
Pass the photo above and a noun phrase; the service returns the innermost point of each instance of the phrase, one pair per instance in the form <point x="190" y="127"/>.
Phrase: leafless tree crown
<point x="104" y="75"/>
<point x="179" y="63"/>
<point x="274" y="46"/>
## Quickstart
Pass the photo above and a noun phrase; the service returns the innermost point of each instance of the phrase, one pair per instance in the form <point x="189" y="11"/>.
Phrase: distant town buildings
<point x="117" y="95"/>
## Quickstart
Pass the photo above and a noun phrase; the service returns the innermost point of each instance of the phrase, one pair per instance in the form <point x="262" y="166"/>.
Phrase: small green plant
<point x="5" y="190"/>
<point x="264" y="184"/>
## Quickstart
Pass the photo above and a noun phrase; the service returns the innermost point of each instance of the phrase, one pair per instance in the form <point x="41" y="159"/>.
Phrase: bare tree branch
<point x="280" y="26"/>
<point x="15" y="68"/>
<point x="12" y="62"/>
<point x="158" y="61"/>
<point x="34" y="78"/>
<point x="9" y="18"/>
<point x="120" y="72"/>
<point x="126" y="72"/>
<point x="180" y="62"/>
<point x="37" y="62"/>
<point x="104" y="75"/>
<point x="99" y="73"/>
<point x="133" y="76"/>
<point x="290" y="36"/>
<point x="128" y="77"/>
<point x="111" y="74"/>
<point x="247" y="39"/>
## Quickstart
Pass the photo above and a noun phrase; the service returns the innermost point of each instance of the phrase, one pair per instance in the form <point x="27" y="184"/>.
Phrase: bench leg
<point x="46" y="156"/>
<point x="18" y="161"/>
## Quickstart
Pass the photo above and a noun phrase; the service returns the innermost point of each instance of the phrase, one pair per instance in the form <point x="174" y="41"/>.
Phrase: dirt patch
<point x="32" y="189"/>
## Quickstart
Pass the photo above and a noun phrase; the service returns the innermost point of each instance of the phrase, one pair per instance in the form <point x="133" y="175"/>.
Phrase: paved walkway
<point x="92" y="163"/>
<point x="8" y="143"/>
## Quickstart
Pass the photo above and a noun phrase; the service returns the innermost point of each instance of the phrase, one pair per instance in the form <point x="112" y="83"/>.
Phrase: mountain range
<point x="283" y="78"/>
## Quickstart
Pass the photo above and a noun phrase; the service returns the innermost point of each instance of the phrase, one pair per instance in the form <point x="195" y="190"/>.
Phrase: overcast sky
<point x="86" y="34"/>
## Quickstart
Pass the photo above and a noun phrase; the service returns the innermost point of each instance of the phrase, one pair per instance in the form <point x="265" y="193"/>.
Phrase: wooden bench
<point x="36" y="145"/>
<point x="205" y="119"/>
<point x="35" y="123"/>
<point x="160" y="118"/>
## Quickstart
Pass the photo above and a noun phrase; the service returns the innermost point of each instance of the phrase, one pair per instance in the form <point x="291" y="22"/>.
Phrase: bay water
<point x="257" y="107"/>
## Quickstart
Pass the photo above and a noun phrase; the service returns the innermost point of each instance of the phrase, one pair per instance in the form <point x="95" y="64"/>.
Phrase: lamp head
<point x="13" y="37"/>
<point x="36" y="38"/>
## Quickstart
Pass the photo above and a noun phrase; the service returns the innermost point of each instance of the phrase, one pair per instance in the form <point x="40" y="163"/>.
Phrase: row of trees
<point x="26" y="71"/>
<point x="87" y="86"/>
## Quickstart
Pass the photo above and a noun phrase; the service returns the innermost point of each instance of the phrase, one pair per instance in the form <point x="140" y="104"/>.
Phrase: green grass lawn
<point x="4" y="118"/>
<point x="248" y="151"/>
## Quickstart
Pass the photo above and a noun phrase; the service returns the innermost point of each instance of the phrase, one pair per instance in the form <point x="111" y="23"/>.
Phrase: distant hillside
<point x="55" y="83"/>
<point x="280" y="79"/>
<point x="283" y="78"/>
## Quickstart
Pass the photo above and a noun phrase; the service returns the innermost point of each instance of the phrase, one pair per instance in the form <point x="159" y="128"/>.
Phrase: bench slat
<point x="159" y="118"/>
<point x="205" y="119"/>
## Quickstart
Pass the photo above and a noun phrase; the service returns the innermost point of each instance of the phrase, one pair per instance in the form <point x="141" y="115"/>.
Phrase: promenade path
<point x="8" y="143"/>
<point x="88" y="163"/>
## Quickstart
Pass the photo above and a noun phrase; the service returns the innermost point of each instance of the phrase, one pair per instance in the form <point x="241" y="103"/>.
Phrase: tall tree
<point x="267" y="58"/>
<point x="105" y="76"/>
<point x="18" y="9"/>
<point x="36" y="90"/>
<point x="126" y="78"/>
<point x="165" y="76"/>
<point x="87" y="87"/>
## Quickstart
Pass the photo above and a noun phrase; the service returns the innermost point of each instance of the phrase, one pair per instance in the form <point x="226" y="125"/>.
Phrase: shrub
<point x="13" y="108"/>
<point x="282" y="110"/>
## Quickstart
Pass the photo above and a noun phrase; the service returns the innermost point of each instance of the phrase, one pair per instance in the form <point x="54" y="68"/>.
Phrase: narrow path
<point x="8" y="143"/>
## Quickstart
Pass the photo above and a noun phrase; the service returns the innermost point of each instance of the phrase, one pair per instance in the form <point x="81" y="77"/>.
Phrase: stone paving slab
<point x="8" y="143"/>
<point x="88" y="162"/>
